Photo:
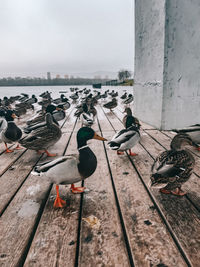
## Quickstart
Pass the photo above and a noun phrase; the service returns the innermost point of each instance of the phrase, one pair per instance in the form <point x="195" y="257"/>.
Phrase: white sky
<point x="65" y="36"/>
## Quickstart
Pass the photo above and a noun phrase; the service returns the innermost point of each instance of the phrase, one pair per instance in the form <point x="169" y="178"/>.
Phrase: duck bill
<point x="97" y="137"/>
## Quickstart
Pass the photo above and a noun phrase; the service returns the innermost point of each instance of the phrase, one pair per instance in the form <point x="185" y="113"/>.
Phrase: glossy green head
<point x="84" y="134"/>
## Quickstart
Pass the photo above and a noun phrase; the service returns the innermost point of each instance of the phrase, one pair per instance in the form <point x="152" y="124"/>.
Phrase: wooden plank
<point x="7" y="159"/>
<point x="150" y="243"/>
<point x="104" y="246"/>
<point x="18" y="220"/>
<point x="179" y="213"/>
<point x="111" y="115"/>
<point x="55" y="238"/>
<point x="182" y="217"/>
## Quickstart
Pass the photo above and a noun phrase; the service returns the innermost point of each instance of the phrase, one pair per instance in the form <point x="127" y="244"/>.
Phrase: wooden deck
<point x="138" y="226"/>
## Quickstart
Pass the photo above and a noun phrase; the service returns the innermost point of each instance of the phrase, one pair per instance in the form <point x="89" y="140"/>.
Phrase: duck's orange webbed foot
<point x="18" y="147"/>
<point x="178" y="192"/>
<point x="7" y="149"/>
<point x="49" y="154"/>
<point x="59" y="203"/>
<point x="132" y="153"/>
<point x="77" y="190"/>
<point x="165" y="191"/>
<point x="120" y="153"/>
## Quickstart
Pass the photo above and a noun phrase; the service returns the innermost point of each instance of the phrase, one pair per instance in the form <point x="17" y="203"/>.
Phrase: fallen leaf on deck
<point x="93" y="222"/>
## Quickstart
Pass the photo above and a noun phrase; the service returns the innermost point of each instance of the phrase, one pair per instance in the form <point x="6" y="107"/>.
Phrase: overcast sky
<point x="65" y="36"/>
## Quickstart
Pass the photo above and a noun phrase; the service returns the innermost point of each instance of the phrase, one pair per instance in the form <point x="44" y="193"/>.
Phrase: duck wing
<point x="63" y="170"/>
<point x="122" y="138"/>
<point x="173" y="164"/>
<point x="87" y="119"/>
<point x="42" y="137"/>
<point x="3" y="124"/>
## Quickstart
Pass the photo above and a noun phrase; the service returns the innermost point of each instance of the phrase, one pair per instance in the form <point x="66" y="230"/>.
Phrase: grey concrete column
<point x="167" y="62"/>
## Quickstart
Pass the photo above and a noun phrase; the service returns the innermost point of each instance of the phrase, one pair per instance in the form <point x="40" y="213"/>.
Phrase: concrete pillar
<point x="167" y="62"/>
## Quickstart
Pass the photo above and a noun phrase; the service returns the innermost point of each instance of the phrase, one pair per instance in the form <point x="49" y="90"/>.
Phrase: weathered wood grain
<point x="185" y="227"/>
<point x="54" y="243"/>
<point x="150" y="243"/>
<point x="18" y="220"/>
<point x="104" y="246"/>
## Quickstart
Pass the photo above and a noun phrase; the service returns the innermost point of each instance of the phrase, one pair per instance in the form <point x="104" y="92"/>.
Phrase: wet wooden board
<point x="140" y="216"/>
<point x="18" y="220"/>
<point x="138" y="225"/>
<point x="103" y="246"/>
<point x="55" y="238"/>
<point x="172" y="207"/>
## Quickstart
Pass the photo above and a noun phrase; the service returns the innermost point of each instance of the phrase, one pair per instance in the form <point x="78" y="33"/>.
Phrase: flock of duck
<point x="171" y="168"/>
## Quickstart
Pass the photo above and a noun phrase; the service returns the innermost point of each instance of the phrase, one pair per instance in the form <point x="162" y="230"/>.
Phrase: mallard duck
<point x="31" y="100"/>
<point x="112" y="104"/>
<point x="71" y="169"/>
<point x="74" y="96"/>
<point x="194" y="133"/>
<point x="124" y="96"/>
<point x="41" y="118"/>
<point x="41" y="138"/>
<point x="86" y="117"/>
<point x="104" y="96"/>
<point x="128" y="100"/>
<point x="125" y="139"/>
<point x="11" y="133"/>
<point x="46" y="95"/>
<point x="129" y="119"/>
<point x="60" y="100"/>
<point x="174" y="167"/>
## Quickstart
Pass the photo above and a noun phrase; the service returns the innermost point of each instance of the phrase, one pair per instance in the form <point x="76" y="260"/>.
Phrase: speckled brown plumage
<point x="174" y="167"/>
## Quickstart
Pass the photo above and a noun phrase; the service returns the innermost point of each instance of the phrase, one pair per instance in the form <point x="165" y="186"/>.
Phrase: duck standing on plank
<point x="128" y="100"/>
<point x="11" y="132"/>
<point x="43" y="136"/>
<point x="129" y="119"/>
<point x="174" y="167"/>
<point x="112" y="104"/>
<point x="126" y="138"/>
<point x="87" y="118"/>
<point x="71" y="169"/>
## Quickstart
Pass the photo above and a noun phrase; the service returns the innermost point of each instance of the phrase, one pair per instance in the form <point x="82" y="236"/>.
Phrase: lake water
<point x="37" y="90"/>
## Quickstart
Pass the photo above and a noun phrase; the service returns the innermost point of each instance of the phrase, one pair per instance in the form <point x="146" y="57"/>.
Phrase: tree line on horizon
<point x="19" y="81"/>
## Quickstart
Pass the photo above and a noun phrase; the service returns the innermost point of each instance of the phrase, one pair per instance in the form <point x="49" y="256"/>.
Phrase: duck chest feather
<point x="87" y="162"/>
<point x="13" y="133"/>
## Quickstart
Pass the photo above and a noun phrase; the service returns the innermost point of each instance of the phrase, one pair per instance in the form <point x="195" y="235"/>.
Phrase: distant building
<point x="66" y="76"/>
<point x="48" y="76"/>
<point x="57" y="76"/>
